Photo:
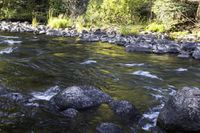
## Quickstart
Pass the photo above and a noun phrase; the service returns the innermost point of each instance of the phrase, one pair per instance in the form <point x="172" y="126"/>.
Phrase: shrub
<point x="170" y="12"/>
<point x="131" y="29"/>
<point x="57" y="22"/>
<point x="178" y="34"/>
<point x="115" y="11"/>
<point x="155" y="27"/>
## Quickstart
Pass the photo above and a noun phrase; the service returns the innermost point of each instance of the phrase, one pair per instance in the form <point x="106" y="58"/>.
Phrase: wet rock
<point x="17" y="97"/>
<point x="70" y="113"/>
<point x="125" y="110"/>
<point x="196" y="53"/>
<point x="80" y="97"/>
<point x="182" y="111"/>
<point x="139" y="47"/>
<point x="108" y="128"/>
<point x="184" y="54"/>
<point x="174" y="47"/>
<point x="188" y="46"/>
<point x="11" y="113"/>
<point x="133" y="130"/>
<point x="52" y="32"/>
<point x="160" y="48"/>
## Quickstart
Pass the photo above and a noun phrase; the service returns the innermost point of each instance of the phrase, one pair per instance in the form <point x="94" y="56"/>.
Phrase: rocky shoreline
<point x="64" y="107"/>
<point x="147" y="43"/>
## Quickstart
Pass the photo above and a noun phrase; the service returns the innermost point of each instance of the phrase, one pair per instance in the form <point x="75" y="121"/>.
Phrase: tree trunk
<point x="198" y="13"/>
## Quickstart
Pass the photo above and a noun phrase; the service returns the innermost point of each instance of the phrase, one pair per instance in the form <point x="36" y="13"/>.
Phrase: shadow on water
<point x="40" y="62"/>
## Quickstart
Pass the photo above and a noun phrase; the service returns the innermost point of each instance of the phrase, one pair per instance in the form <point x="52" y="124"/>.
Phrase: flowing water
<point x="40" y="66"/>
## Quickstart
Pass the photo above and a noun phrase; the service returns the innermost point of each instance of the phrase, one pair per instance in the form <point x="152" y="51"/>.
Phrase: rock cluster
<point x="64" y="106"/>
<point x="148" y="43"/>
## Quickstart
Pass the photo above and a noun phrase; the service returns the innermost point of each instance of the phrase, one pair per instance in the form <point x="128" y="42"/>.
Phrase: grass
<point x="156" y="27"/>
<point x="35" y="22"/>
<point x="56" y="22"/>
<point x="178" y="34"/>
<point x="131" y="29"/>
<point x="80" y="24"/>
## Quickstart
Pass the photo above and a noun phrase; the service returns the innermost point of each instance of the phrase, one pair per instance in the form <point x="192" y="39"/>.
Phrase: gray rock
<point x="160" y="48"/>
<point x="174" y="47"/>
<point x="125" y="110"/>
<point x="182" y="111"/>
<point x="108" y="128"/>
<point x="184" y="54"/>
<point x="196" y="53"/>
<point x="70" y="113"/>
<point x="188" y="46"/>
<point x="80" y="97"/>
<point x="54" y="32"/>
<point x="139" y="47"/>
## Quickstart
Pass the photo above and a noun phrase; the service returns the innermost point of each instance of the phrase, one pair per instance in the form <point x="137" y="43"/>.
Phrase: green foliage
<point x="131" y="29"/>
<point x="169" y="12"/>
<point x="79" y="23"/>
<point x="114" y="11"/>
<point x="57" y="7"/>
<point x="56" y="22"/>
<point x="156" y="27"/>
<point x="178" y="34"/>
<point x="22" y="9"/>
<point x="35" y="22"/>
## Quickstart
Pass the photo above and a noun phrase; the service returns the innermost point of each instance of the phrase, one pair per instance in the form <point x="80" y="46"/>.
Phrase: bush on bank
<point x="165" y="14"/>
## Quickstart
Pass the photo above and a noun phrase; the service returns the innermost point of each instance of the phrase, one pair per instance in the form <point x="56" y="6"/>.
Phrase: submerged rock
<point x="2" y="90"/>
<point x="80" y="97"/>
<point x="108" y="128"/>
<point x="125" y="110"/>
<point x="182" y="111"/>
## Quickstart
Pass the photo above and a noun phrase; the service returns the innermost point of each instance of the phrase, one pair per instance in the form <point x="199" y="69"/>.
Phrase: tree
<point x="198" y="9"/>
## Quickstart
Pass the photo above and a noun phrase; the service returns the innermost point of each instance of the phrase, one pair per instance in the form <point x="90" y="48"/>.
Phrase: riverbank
<point x="144" y="42"/>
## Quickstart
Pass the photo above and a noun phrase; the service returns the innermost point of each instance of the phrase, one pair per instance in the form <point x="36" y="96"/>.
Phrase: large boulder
<point x="108" y="128"/>
<point x="196" y="53"/>
<point x="182" y="111"/>
<point x="80" y="97"/>
<point x="125" y="110"/>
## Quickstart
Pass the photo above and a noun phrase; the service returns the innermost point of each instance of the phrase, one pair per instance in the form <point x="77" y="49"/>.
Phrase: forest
<point x="129" y="16"/>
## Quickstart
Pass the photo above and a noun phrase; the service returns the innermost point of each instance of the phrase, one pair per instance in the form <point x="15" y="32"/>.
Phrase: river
<point x="39" y="66"/>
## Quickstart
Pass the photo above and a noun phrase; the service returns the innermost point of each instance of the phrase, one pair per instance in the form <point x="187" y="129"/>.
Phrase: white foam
<point x="181" y="70"/>
<point x="11" y="42"/>
<point x="152" y="116"/>
<point x="154" y="89"/>
<point x="7" y="50"/>
<point x="9" y="37"/>
<point x="47" y="95"/>
<point x="145" y="74"/>
<point x="147" y="126"/>
<point x="32" y="104"/>
<point x="134" y="64"/>
<point x="157" y="96"/>
<point x="172" y="92"/>
<point x="88" y="62"/>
